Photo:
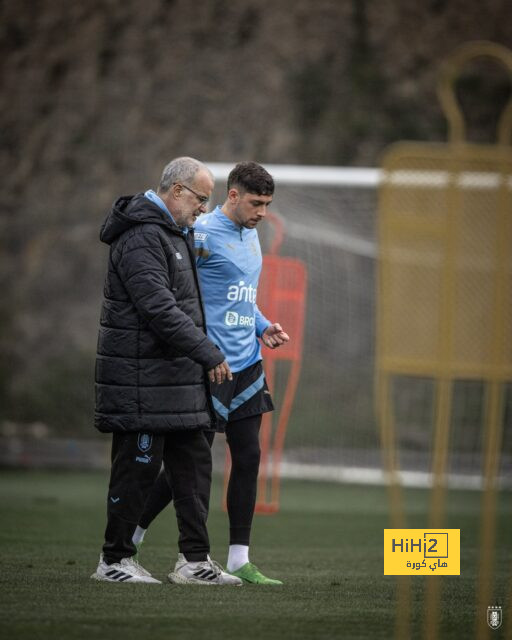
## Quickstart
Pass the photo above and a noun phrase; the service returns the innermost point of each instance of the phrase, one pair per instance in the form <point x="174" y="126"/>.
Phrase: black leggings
<point x="243" y="440"/>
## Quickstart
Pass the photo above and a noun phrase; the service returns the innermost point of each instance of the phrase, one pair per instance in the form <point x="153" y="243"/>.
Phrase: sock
<point x="238" y="556"/>
<point x="138" y="535"/>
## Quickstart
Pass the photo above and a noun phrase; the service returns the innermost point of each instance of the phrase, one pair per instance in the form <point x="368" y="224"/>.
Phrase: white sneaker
<point x="204" y="572"/>
<point x="126" y="570"/>
<point x="135" y="560"/>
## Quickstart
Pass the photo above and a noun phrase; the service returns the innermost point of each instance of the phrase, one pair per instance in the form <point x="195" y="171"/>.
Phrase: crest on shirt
<point x="144" y="442"/>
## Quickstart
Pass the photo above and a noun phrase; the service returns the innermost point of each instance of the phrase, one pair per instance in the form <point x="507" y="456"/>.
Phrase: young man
<point x="152" y="391"/>
<point x="229" y="265"/>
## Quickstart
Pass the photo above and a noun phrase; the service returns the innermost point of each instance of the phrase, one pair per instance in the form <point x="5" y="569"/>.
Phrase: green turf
<point x="326" y="544"/>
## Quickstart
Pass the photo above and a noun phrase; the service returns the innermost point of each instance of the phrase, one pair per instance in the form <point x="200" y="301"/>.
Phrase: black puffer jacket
<point x="152" y="347"/>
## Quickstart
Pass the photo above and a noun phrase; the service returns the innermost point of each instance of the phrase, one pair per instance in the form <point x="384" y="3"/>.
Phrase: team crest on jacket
<point x="144" y="442"/>
<point x="494" y="617"/>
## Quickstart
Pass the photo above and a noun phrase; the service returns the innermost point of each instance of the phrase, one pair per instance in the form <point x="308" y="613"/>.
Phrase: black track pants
<point x="136" y="462"/>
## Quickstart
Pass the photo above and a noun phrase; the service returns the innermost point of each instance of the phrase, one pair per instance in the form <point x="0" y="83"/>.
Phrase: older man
<point x="153" y="365"/>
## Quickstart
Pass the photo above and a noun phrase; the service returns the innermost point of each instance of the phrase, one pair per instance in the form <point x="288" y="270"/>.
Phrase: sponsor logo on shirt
<point x="233" y="319"/>
<point x="242" y="293"/>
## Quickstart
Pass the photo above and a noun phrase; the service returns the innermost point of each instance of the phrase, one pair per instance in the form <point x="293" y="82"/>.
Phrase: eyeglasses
<point x="202" y="199"/>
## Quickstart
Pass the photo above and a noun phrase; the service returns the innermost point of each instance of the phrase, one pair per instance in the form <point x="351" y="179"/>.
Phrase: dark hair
<point x="252" y="178"/>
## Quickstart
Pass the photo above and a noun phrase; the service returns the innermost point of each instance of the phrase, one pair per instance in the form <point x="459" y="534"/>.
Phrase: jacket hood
<point x="128" y="211"/>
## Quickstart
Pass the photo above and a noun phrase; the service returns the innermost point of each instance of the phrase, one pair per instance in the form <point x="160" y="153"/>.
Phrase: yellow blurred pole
<point x="437" y="505"/>
<point x="442" y="434"/>
<point x="444" y="390"/>
<point x="494" y="412"/>
<point x="493" y="431"/>
<point x="386" y="421"/>
<point x="388" y="441"/>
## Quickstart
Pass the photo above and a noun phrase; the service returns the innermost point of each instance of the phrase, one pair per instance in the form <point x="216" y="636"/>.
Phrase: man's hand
<point x="219" y="373"/>
<point x="274" y="336"/>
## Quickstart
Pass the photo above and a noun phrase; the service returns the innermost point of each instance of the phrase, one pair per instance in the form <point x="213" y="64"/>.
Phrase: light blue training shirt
<point x="229" y="266"/>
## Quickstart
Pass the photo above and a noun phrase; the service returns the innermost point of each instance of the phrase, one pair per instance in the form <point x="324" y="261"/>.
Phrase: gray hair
<point x="181" y="169"/>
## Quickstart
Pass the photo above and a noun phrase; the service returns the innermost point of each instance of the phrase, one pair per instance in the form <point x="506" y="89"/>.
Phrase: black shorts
<point x="244" y="396"/>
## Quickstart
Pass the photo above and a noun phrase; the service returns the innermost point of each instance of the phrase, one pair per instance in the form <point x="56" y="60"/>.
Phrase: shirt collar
<point x="227" y="221"/>
<point x="151" y="195"/>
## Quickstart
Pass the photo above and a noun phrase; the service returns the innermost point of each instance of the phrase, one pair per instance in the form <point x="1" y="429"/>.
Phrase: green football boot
<point x="251" y="574"/>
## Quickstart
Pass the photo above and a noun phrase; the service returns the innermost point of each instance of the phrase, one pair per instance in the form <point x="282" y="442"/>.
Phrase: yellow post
<point x="444" y="303"/>
<point x="389" y="449"/>
<point x="494" y="420"/>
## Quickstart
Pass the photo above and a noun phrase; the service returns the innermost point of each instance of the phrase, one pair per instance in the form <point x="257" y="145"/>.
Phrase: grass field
<point x="326" y="544"/>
